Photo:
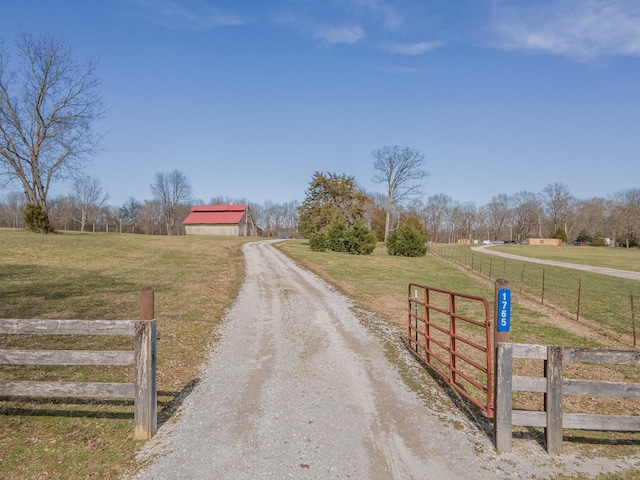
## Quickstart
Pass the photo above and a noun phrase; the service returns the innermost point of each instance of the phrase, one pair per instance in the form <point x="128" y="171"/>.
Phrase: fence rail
<point x="143" y="358"/>
<point x="554" y="386"/>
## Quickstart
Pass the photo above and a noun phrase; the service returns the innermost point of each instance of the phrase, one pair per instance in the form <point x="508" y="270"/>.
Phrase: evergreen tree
<point x="409" y="240"/>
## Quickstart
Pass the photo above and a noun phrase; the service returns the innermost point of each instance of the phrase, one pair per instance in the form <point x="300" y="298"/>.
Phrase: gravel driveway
<point x="297" y="387"/>
<point x="612" y="272"/>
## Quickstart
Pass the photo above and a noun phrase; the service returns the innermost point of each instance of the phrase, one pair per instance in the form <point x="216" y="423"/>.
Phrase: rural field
<point x="99" y="276"/>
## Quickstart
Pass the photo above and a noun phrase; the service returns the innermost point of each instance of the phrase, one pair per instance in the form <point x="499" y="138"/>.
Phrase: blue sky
<point x="250" y="98"/>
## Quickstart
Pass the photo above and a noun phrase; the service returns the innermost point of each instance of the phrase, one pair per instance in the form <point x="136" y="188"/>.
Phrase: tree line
<point x="88" y="210"/>
<point x="49" y="103"/>
<point x="553" y="212"/>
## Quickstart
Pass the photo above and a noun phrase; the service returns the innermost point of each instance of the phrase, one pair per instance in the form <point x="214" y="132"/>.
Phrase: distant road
<point x="613" y="272"/>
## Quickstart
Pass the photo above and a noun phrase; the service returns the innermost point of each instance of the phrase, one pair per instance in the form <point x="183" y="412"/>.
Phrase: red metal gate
<point x="451" y="333"/>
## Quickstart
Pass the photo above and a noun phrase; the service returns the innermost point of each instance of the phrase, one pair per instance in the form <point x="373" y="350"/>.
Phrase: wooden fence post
<point x="633" y="320"/>
<point x="502" y="416"/>
<point x="501" y="379"/>
<point x="145" y="409"/>
<point x="553" y="399"/>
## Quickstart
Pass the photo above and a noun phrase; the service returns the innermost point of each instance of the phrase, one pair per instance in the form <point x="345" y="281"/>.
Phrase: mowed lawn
<point x="100" y="276"/>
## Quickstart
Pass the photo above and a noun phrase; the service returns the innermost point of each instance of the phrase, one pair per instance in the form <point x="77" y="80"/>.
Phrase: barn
<point x="229" y="220"/>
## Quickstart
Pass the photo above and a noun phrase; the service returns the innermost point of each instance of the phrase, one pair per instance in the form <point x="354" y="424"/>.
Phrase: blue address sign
<point x="504" y="310"/>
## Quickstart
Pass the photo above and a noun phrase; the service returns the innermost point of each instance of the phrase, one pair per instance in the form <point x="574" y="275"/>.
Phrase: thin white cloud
<point x="379" y="9"/>
<point x="332" y="35"/>
<point x="413" y="49"/>
<point x="347" y="33"/>
<point x="580" y="29"/>
<point x="403" y="70"/>
<point x="194" y="15"/>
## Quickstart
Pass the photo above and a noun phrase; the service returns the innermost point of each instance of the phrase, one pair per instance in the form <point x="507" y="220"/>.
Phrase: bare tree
<point x="150" y="217"/>
<point x="592" y="216"/>
<point x="48" y="105"/>
<point x="496" y="215"/>
<point x="557" y="202"/>
<point x="628" y="215"/>
<point x="129" y="213"/>
<point x="171" y="190"/>
<point x="463" y="220"/>
<point x="400" y="169"/>
<point x="62" y="212"/>
<point x="526" y="212"/>
<point x="88" y="199"/>
<point x="13" y="207"/>
<point x="435" y="214"/>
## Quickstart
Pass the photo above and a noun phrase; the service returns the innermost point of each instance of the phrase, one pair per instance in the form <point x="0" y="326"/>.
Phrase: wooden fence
<point x="143" y="358"/>
<point x="553" y="386"/>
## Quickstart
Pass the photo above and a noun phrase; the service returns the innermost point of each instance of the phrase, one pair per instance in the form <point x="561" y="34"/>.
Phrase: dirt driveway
<point x="299" y="387"/>
<point x="613" y="272"/>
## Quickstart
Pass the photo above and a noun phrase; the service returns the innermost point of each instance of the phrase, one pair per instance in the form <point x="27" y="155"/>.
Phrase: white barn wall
<point x="223" y="230"/>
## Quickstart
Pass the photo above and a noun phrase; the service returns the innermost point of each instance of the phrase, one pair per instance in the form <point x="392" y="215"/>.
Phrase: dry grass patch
<point x="99" y="276"/>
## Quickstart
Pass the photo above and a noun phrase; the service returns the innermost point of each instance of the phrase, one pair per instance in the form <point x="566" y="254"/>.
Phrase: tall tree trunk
<point x="387" y="222"/>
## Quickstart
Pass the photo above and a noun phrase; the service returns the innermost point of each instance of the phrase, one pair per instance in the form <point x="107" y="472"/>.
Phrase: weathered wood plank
<point x="67" y="327"/>
<point x="65" y="357"/>
<point x="553" y="400"/>
<point x="618" y="423"/>
<point x="145" y="413"/>
<point x="525" y="350"/>
<point x="504" y="401"/>
<point x="602" y="389"/>
<point x="529" y="384"/>
<point x="66" y="389"/>
<point x="526" y="418"/>
<point x="601" y="355"/>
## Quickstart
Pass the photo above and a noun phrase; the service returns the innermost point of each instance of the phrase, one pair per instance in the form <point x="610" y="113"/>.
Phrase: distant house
<point x="229" y="220"/>
<point x="544" y="241"/>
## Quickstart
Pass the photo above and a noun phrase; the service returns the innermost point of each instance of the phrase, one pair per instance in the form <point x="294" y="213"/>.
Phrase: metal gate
<point x="451" y="333"/>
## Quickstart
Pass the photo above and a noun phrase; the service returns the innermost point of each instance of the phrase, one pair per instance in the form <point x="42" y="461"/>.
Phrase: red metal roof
<point x="215" y="215"/>
<point x="219" y="208"/>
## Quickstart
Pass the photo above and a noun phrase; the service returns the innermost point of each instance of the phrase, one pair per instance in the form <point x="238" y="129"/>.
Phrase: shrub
<point x="356" y="239"/>
<point x="318" y="242"/>
<point x="337" y="237"/>
<point x="561" y="234"/>
<point x="584" y="237"/>
<point x="37" y="219"/>
<point x="409" y="240"/>
<point x="598" y="240"/>
<point x="360" y="240"/>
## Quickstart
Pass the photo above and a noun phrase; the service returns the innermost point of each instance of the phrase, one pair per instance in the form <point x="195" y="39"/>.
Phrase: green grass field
<point x="379" y="283"/>
<point x="99" y="276"/>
